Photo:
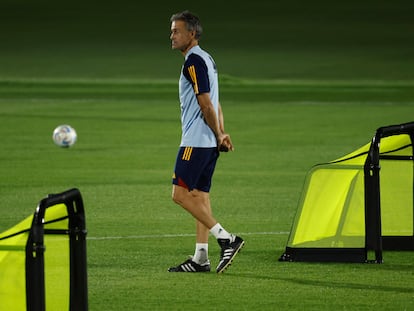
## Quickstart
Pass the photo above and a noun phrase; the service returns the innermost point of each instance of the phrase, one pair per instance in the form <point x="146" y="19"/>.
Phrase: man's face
<point x="180" y="37"/>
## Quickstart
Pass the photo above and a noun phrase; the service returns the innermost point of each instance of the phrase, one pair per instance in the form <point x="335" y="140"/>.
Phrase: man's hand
<point x="224" y="143"/>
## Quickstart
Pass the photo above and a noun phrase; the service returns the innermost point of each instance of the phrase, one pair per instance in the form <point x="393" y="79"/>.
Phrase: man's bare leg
<point x="197" y="203"/>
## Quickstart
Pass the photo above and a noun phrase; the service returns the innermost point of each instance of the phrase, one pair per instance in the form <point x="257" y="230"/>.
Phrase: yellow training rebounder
<point x="43" y="258"/>
<point x="359" y="203"/>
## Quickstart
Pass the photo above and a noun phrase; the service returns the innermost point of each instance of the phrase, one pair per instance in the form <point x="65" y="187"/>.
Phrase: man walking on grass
<point x="202" y="138"/>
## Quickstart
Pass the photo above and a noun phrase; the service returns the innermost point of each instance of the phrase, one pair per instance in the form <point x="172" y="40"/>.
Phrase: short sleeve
<point x="196" y="72"/>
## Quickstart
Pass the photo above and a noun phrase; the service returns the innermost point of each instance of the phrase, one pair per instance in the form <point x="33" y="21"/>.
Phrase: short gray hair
<point x="191" y="20"/>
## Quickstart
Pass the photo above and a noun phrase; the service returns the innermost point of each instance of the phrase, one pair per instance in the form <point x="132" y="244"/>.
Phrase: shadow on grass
<point x="320" y="283"/>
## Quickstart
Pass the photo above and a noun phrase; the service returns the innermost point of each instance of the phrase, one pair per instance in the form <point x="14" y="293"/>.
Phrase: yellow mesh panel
<point x="56" y="257"/>
<point x="331" y="210"/>
<point x="396" y="186"/>
<point x="12" y="267"/>
<point x="57" y="261"/>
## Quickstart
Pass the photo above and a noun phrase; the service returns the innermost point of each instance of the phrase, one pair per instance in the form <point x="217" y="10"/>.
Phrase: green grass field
<point x="317" y="89"/>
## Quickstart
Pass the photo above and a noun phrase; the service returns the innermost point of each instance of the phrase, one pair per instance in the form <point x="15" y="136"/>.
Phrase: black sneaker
<point x="229" y="250"/>
<point x="191" y="266"/>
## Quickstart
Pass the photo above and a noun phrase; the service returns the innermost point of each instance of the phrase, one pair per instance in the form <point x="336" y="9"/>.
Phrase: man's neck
<point x="189" y="47"/>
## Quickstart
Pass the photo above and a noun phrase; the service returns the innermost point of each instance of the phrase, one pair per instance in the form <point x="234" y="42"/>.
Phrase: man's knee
<point x="175" y="197"/>
<point x="178" y="194"/>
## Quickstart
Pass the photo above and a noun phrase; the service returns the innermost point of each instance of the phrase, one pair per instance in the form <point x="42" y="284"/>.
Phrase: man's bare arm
<point x="216" y="123"/>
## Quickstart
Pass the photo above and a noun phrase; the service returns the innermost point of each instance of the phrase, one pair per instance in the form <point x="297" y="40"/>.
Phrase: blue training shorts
<point x="194" y="168"/>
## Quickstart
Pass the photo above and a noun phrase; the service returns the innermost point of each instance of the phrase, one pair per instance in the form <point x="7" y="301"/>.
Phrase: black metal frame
<point x="373" y="236"/>
<point x="35" y="248"/>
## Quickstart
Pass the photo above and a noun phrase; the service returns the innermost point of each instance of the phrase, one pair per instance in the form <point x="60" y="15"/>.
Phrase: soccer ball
<point x="64" y="136"/>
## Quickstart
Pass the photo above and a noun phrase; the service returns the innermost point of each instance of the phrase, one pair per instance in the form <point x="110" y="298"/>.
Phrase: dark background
<point x="255" y="39"/>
